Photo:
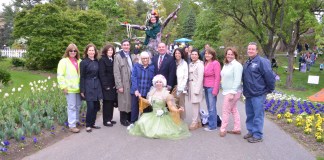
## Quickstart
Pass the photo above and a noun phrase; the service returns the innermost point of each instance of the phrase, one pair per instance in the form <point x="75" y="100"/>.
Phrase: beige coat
<point x="196" y="76"/>
<point x="122" y="75"/>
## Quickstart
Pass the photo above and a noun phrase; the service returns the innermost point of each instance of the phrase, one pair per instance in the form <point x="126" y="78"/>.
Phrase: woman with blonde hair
<point x="231" y="84"/>
<point x="68" y="77"/>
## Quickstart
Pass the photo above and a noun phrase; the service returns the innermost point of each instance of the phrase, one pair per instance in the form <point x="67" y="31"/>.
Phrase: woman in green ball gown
<point x="162" y="122"/>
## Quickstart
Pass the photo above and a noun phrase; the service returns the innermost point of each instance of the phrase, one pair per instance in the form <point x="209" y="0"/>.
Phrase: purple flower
<point x="35" y="140"/>
<point x="82" y="120"/>
<point x="3" y="149"/>
<point x="66" y="124"/>
<point x="6" y="143"/>
<point x="22" y="138"/>
<point x="53" y="128"/>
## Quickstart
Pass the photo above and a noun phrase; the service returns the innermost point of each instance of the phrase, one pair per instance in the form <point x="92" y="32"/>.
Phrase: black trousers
<point x="92" y="108"/>
<point x="125" y="116"/>
<point x="107" y="110"/>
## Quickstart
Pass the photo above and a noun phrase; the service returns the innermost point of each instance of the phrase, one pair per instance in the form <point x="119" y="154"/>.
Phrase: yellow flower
<point x="279" y="116"/>
<point x="289" y="120"/>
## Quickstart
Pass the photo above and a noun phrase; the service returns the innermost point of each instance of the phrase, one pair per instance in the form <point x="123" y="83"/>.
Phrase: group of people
<point x="163" y="81"/>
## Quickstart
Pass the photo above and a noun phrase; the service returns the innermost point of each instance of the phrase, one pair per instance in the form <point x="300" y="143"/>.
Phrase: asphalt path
<point x="114" y="143"/>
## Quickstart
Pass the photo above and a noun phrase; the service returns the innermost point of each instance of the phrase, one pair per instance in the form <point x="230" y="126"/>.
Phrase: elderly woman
<point x="90" y="85"/>
<point x="211" y="86"/>
<point x="68" y="77"/>
<point x="182" y="77"/>
<point x="141" y="78"/>
<point x="231" y="84"/>
<point x="160" y="123"/>
<point x="196" y="76"/>
<point x="106" y="75"/>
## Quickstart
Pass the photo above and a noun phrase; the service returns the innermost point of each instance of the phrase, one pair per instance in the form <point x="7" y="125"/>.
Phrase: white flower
<point x="32" y="88"/>
<point x="49" y="77"/>
<point x="19" y="89"/>
<point x="0" y="90"/>
<point x="41" y="87"/>
<point x="44" y="88"/>
<point x="21" y="86"/>
<point x="13" y="90"/>
<point x="159" y="112"/>
<point x="45" y="80"/>
<point x="6" y="95"/>
<point x="30" y="83"/>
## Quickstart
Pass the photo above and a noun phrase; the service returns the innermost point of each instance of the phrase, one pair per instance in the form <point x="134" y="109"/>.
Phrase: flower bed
<point x="28" y="112"/>
<point x="300" y="113"/>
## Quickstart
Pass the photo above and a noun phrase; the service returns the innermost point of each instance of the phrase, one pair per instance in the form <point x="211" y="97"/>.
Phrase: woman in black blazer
<point x="106" y="75"/>
<point x="90" y="87"/>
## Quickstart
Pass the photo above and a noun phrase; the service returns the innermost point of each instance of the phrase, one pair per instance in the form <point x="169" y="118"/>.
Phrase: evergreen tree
<point x="189" y="25"/>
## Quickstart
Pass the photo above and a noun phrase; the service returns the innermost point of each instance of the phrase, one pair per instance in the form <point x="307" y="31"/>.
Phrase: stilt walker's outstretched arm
<point x="134" y="26"/>
<point x="167" y="20"/>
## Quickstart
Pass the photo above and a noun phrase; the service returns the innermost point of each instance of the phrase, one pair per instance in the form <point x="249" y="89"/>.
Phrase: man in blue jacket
<point x="258" y="81"/>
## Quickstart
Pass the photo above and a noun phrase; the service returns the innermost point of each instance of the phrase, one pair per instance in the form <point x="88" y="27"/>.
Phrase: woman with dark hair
<point x="106" y="75"/>
<point x="182" y="77"/>
<point x="90" y="85"/>
<point x="212" y="77"/>
<point x="195" y="83"/>
<point x="68" y="77"/>
<point x="231" y="83"/>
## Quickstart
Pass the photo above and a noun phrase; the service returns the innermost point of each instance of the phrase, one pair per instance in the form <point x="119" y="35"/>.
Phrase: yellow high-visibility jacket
<point x="67" y="76"/>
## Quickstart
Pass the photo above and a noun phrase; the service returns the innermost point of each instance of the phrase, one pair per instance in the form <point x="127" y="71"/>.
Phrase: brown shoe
<point x="222" y="134"/>
<point x="234" y="132"/>
<point x="74" y="130"/>
<point x="193" y="126"/>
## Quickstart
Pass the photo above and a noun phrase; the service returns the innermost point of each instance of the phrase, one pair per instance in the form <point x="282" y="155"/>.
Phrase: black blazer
<point x="168" y="68"/>
<point x="106" y="76"/>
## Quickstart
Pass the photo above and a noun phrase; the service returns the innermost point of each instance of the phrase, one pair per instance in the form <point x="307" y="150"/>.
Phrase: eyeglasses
<point x="73" y="51"/>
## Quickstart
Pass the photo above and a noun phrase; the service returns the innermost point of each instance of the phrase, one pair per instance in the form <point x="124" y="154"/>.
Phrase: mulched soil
<point x="308" y="141"/>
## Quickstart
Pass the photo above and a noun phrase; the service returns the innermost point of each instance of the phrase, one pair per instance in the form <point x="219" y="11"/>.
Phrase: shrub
<point x="4" y="76"/>
<point x="18" y="62"/>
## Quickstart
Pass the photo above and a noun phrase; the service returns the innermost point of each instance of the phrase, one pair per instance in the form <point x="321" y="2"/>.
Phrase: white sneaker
<point x="210" y="130"/>
<point x="130" y="126"/>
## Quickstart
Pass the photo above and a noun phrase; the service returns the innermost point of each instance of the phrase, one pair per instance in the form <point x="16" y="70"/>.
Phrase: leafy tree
<point x="296" y="18"/>
<point x="49" y="30"/>
<point x="189" y="25"/>
<point x="8" y="15"/>
<point x="26" y="4"/>
<point x="207" y="29"/>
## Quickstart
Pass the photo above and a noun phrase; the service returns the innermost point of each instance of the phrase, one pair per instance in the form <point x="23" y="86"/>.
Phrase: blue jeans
<point x="255" y="115"/>
<point x="211" y="106"/>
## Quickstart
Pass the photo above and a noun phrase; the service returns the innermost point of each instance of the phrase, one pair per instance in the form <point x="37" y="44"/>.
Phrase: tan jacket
<point x="196" y="76"/>
<point x="122" y="75"/>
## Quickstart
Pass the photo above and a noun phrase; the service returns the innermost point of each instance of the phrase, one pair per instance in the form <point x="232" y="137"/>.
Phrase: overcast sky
<point x="5" y="2"/>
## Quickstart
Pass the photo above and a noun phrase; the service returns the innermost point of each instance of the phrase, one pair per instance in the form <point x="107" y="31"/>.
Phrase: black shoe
<point x="254" y="140"/>
<point x="108" y="124"/>
<point x="113" y="122"/>
<point x="249" y="135"/>
<point x="95" y="127"/>
<point x="125" y="123"/>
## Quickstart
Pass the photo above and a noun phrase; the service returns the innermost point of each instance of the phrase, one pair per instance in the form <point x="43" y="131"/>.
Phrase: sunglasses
<point x="73" y="51"/>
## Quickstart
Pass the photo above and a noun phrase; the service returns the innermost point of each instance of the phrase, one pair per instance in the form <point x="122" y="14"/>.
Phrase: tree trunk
<point x="290" y="68"/>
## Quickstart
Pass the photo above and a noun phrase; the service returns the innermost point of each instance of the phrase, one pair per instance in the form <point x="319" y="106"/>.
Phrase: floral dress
<point x="160" y="123"/>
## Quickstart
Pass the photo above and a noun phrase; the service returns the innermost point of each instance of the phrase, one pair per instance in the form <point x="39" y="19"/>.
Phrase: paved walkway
<point x="114" y="143"/>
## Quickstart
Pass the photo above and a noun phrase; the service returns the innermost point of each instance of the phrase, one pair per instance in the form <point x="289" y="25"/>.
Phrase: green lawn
<point x="19" y="77"/>
<point x="301" y="88"/>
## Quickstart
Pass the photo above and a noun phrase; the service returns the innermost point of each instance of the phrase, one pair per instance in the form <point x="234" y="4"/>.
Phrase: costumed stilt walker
<point x="153" y="28"/>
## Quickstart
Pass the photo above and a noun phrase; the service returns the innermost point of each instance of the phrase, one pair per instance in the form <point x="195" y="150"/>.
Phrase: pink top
<point x="212" y="76"/>
<point x="75" y="63"/>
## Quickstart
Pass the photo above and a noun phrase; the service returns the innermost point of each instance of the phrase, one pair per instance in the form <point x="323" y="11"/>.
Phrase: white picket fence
<point x="18" y="53"/>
